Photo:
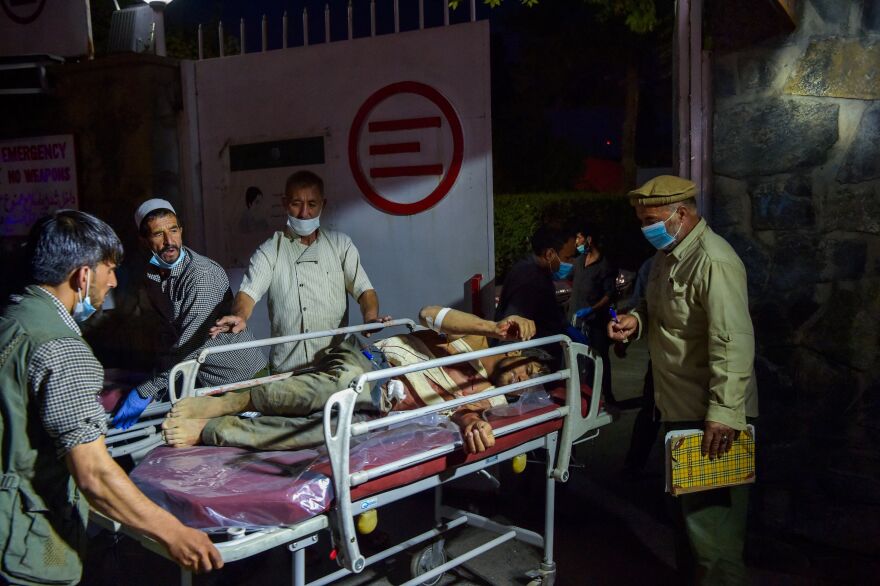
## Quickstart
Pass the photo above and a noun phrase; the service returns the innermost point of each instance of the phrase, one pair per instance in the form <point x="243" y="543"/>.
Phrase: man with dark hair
<point x="696" y="316"/>
<point x="52" y="447"/>
<point x="591" y="293"/>
<point x="190" y="292"/>
<point x="528" y="287"/>
<point x="292" y="409"/>
<point x="307" y="272"/>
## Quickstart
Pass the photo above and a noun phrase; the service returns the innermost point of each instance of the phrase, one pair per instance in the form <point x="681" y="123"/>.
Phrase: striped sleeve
<point x="258" y="277"/>
<point x="356" y="280"/>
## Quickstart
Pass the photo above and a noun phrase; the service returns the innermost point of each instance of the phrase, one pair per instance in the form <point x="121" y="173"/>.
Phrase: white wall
<point x="412" y="260"/>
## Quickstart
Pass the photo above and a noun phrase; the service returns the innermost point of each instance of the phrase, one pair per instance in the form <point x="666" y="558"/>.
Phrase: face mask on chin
<point x="657" y="235"/>
<point x="303" y="227"/>
<point x="582" y="248"/>
<point x="158" y="262"/>
<point x="84" y="309"/>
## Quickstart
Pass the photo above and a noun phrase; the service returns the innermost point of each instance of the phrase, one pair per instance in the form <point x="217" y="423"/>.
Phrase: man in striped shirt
<point x="307" y="272"/>
<point x="53" y="441"/>
<point x="190" y="292"/>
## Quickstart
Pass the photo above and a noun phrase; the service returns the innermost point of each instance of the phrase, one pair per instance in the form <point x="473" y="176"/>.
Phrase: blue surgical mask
<point x="564" y="271"/>
<point x="303" y="227"/>
<point x="658" y="236"/>
<point x="157" y="260"/>
<point x="582" y="248"/>
<point x="84" y="309"/>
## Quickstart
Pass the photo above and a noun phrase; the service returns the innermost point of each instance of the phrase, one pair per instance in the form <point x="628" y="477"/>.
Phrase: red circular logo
<point x="23" y="11"/>
<point x="385" y="128"/>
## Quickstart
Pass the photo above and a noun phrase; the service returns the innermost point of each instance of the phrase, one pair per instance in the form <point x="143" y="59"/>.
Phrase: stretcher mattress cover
<point x="217" y="487"/>
<point x="213" y="488"/>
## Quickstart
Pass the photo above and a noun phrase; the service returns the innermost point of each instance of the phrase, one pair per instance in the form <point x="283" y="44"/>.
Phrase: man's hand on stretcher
<point x="476" y="433"/>
<point x="515" y="329"/>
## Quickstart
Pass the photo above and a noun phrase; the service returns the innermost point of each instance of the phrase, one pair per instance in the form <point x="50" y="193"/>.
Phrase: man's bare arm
<point x="242" y="308"/>
<point x="369" y="302"/>
<point x="113" y="494"/>
<point x="460" y="323"/>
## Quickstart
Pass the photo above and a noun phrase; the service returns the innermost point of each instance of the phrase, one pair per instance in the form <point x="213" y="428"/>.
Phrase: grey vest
<point x="42" y="515"/>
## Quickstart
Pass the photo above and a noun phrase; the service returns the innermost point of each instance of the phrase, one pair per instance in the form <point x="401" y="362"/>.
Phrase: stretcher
<point x="577" y="416"/>
<point x="146" y="434"/>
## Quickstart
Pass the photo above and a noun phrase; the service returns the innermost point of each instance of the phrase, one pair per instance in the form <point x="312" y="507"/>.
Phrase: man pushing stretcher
<point x="292" y="409"/>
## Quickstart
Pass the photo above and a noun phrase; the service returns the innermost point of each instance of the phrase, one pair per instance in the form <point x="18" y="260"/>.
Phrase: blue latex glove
<point x="582" y="313"/>
<point x="576" y="335"/>
<point x="131" y="409"/>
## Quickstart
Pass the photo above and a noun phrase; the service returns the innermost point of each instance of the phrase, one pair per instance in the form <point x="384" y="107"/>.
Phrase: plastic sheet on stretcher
<point x="213" y="488"/>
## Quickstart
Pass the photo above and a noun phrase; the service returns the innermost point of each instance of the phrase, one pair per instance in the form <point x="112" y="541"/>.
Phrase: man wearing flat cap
<point x="190" y="292"/>
<point x="695" y="315"/>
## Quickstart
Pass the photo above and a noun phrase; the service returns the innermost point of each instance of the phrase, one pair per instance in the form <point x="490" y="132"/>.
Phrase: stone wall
<point x="797" y="193"/>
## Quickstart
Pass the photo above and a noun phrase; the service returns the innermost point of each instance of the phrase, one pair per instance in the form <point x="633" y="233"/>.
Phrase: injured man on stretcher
<point x="291" y="410"/>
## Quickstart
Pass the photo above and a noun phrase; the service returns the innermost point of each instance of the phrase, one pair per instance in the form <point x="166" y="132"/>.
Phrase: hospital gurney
<point x="146" y="434"/>
<point x="554" y="428"/>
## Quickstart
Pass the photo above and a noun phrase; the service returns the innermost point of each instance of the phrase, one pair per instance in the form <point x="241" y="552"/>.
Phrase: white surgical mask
<point x="303" y="227"/>
<point x="84" y="309"/>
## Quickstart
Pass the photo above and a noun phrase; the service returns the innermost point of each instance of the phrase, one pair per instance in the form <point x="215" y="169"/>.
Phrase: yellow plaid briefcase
<point x="689" y="471"/>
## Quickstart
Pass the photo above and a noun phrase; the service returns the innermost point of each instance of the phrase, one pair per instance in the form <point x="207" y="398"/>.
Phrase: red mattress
<point x="214" y="488"/>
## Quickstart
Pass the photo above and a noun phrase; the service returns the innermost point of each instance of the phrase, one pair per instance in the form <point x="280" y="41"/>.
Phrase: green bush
<point x="611" y="216"/>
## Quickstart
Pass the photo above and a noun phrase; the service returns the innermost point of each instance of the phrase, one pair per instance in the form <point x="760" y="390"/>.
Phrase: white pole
<point x="682" y="69"/>
<point x="421" y="14"/>
<point x="305" y="27"/>
<point x="201" y="49"/>
<point x="350" y="26"/>
<point x="473" y="10"/>
<point x="372" y="18"/>
<point x="327" y="23"/>
<point x="696" y="96"/>
<point x="241" y="33"/>
<point x="284" y="30"/>
<point x="445" y="12"/>
<point x="396" y="16"/>
<point x="265" y="33"/>
<point x="220" y="36"/>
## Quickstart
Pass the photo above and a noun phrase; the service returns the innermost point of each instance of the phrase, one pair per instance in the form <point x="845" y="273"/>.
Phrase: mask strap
<point x="88" y="285"/>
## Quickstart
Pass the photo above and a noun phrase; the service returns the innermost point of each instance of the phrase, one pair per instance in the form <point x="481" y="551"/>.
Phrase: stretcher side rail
<point x="576" y="423"/>
<point x="342" y="404"/>
<point x="233" y="550"/>
<point x="190" y="368"/>
<point x="146" y="434"/>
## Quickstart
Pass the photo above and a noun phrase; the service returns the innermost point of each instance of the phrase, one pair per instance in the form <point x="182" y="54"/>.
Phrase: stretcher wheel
<point x="426" y="560"/>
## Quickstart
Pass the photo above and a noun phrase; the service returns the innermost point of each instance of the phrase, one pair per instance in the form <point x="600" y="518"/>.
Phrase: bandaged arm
<point x="459" y="323"/>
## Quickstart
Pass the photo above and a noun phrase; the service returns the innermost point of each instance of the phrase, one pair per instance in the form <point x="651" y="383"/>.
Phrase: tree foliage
<point x="640" y="16"/>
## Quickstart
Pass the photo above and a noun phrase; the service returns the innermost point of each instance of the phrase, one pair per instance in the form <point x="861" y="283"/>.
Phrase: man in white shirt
<point x="307" y="272"/>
